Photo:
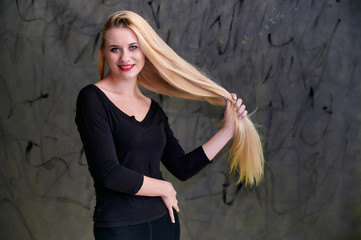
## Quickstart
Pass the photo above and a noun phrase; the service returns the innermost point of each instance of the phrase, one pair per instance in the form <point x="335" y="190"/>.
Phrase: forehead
<point x="120" y="35"/>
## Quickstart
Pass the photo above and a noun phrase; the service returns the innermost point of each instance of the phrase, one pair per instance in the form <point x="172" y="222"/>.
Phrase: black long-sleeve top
<point x="121" y="150"/>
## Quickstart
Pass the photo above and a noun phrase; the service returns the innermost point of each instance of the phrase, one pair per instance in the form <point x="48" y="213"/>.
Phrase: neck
<point x="127" y="87"/>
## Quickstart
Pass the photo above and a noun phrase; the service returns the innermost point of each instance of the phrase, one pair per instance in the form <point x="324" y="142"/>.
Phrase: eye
<point x="114" y="49"/>
<point x="133" y="47"/>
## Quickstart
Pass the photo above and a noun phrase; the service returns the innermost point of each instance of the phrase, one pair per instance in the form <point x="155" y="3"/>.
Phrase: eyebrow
<point x="130" y="44"/>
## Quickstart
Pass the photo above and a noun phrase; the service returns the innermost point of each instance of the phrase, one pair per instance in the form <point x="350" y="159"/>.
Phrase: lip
<point x="126" y="67"/>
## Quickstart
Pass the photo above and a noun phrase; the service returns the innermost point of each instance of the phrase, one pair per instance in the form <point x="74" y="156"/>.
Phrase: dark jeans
<point x="159" y="229"/>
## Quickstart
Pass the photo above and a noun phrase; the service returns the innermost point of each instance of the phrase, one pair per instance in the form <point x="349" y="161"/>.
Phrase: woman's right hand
<point x="159" y="188"/>
<point x="170" y="200"/>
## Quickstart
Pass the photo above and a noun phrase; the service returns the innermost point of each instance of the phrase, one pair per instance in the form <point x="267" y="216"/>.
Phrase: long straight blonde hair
<point x="167" y="73"/>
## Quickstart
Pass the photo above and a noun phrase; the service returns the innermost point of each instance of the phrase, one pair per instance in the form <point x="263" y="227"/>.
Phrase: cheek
<point x="110" y="59"/>
<point x="141" y="58"/>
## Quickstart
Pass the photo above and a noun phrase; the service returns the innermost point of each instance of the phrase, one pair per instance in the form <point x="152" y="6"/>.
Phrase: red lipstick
<point x="126" y="67"/>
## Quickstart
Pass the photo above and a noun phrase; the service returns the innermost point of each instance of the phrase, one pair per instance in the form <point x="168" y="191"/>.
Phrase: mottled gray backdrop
<point x="296" y="62"/>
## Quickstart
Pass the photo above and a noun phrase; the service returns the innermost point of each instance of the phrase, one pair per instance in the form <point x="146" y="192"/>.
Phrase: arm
<point x="222" y="137"/>
<point x="183" y="165"/>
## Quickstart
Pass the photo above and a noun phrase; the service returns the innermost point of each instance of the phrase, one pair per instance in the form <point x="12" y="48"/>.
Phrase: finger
<point x="228" y="102"/>
<point x="171" y="215"/>
<point x="176" y="207"/>
<point x="243" y="115"/>
<point x="241" y="109"/>
<point x="234" y="96"/>
<point x="238" y="103"/>
<point x="228" y="106"/>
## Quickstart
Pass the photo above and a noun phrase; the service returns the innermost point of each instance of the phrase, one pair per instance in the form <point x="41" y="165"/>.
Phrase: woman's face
<point x="122" y="53"/>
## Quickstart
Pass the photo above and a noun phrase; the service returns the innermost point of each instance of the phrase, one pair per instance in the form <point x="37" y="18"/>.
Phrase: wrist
<point x="166" y="188"/>
<point x="227" y="132"/>
<point x="217" y="142"/>
<point x="153" y="187"/>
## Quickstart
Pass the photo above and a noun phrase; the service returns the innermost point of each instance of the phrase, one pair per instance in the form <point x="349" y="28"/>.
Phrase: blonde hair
<point x="167" y="73"/>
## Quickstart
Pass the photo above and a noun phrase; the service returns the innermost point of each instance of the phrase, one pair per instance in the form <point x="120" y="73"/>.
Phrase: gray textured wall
<point x="297" y="62"/>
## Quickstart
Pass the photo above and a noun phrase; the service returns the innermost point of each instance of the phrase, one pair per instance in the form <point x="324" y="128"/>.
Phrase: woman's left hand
<point x="239" y="108"/>
<point x="226" y="133"/>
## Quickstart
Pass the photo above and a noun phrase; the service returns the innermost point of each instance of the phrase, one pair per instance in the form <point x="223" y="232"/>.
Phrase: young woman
<point x="126" y="134"/>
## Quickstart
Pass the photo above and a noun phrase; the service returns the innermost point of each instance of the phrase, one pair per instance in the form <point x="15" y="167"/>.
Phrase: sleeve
<point x="182" y="165"/>
<point x="94" y="128"/>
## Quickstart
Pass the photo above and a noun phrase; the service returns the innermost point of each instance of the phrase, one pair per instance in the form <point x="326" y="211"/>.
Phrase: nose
<point x="124" y="56"/>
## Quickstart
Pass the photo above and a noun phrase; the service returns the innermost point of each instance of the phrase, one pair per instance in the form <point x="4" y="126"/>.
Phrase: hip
<point x="159" y="229"/>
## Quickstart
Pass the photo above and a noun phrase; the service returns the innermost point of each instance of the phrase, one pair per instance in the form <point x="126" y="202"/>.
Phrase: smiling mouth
<point x="127" y="67"/>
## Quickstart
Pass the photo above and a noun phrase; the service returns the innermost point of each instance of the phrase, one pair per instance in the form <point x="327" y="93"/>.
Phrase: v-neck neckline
<point x="132" y="117"/>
